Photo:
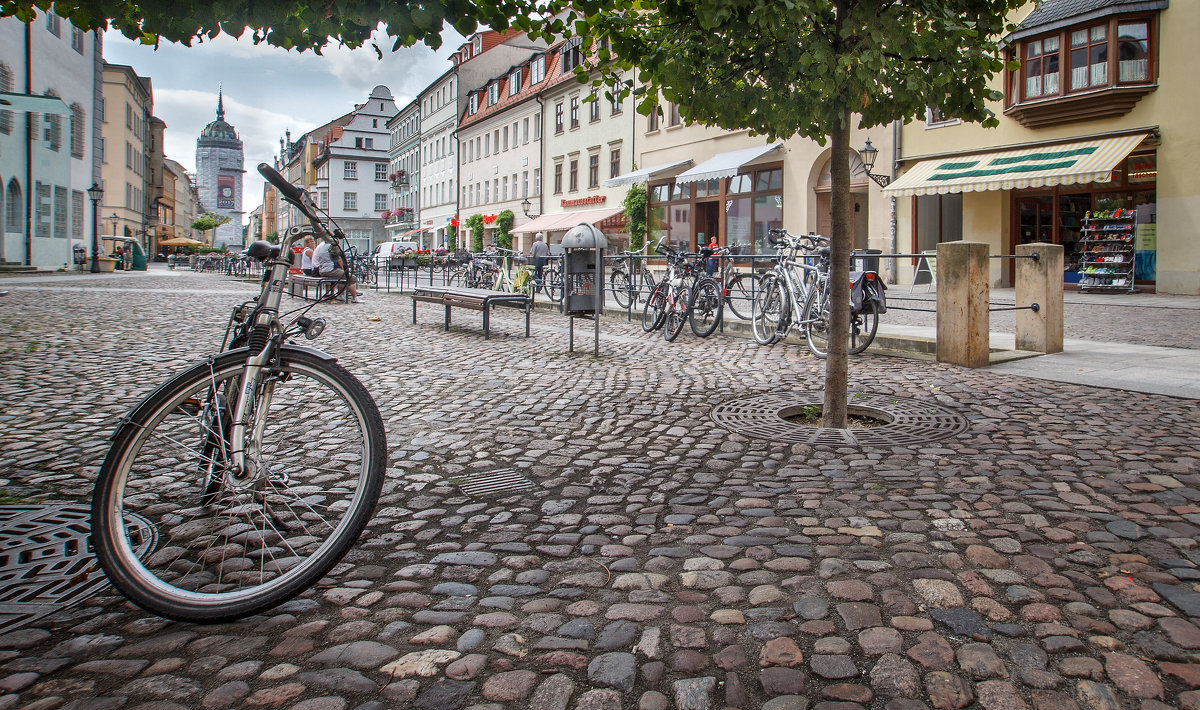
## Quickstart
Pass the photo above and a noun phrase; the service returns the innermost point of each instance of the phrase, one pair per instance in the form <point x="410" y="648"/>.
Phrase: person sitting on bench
<point x="329" y="268"/>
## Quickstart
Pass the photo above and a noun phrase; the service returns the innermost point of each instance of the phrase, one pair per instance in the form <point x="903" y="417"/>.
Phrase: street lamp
<point x="114" y="219"/>
<point x="95" y="192"/>
<point x="868" y="153"/>
<point x="525" y="205"/>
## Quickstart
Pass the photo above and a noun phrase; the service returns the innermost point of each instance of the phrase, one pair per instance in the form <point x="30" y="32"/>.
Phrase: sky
<point x="268" y="90"/>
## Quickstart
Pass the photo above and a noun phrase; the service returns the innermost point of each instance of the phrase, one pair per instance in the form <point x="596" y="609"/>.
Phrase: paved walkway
<point x="1045" y="558"/>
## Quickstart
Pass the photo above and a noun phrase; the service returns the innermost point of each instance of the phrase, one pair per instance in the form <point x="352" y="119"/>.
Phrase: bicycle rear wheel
<point x="224" y="548"/>
<point x="740" y="291"/>
<point x="554" y="282"/>
<point x="863" y="326"/>
<point x="768" y="310"/>
<point x="706" y="307"/>
<point x="622" y="293"/>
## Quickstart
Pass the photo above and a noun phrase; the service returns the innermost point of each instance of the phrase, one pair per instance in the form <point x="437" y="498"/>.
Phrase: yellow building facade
<point x="1100" y="117"/>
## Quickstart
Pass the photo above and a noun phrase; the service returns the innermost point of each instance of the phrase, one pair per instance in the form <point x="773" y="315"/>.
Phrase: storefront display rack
<point x="1107" y="251"/>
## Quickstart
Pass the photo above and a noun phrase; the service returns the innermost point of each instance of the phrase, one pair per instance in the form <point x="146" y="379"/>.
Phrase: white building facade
<point x="438" y="166"/>
<point x="45" y="172"/>
<point x="352" y="171"/>
<point x="404" y="159"/>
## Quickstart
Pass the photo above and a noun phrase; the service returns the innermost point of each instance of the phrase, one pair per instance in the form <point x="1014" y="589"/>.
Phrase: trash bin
<point x="583" y="270"/>
<point x="862" y="260"/>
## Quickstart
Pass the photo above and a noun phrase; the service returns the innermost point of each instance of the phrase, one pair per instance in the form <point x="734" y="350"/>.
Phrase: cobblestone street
<point x="1044" y="558"/>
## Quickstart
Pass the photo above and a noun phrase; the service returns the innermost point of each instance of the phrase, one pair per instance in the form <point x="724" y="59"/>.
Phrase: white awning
<point x="565" y="220"/>
<point x="646" y="174"/>
<point x="33" y="104"/>
<point x="726" y="164"/>
<point x="1072" y="163"/>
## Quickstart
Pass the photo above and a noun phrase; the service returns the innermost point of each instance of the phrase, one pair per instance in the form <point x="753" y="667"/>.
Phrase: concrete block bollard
<point x="1040" y="282"/>
<point x="962" y="303"/>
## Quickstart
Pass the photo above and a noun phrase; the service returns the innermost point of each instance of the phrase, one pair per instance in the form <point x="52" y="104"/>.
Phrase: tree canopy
<point x="291" y="24"/>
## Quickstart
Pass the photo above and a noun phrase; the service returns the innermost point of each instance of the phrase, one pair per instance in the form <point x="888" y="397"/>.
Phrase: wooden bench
<point x="475" y="299"/>
<point x="325" y="287"/>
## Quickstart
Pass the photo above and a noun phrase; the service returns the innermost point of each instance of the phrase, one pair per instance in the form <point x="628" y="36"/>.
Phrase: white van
<point x="385" y="250"/>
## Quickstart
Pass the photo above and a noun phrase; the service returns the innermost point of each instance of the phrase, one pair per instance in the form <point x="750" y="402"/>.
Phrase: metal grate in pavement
<point x="492" y="482"/>
<point x="907" y="421"/>
<point x="46" y="561"/>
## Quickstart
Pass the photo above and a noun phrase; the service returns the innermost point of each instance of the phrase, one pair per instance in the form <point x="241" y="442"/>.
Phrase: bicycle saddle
<point x="262" y="250"/>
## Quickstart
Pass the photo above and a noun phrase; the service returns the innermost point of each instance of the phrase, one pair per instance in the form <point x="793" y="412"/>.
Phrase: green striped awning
<point x="1063" y="164"/>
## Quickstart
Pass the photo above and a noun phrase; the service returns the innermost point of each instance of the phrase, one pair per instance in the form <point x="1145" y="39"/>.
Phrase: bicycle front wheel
<point x="225" y="548"/>
<point x="677" y="314"/>
<point x="620" y="288"/>
<point x="654" y="310"/>
<point x="706" y="307"/>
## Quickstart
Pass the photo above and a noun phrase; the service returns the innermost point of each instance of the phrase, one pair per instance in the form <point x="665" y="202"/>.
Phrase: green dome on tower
<point x="219" y="128"/>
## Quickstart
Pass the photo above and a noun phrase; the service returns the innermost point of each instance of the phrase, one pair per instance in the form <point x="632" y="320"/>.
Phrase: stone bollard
<point x="1040" y="282"/>
<point x="962" y="303"/>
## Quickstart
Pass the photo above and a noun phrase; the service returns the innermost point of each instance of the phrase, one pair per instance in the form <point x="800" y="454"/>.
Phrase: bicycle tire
<point x="239" y="556"/>
<point x="816" y="324"/>
<point x="739" y="295"/>
<point x="706" y="308"/>
<point x="455" y="278"/>
<point x="621" y="290"/>
<point x="767" y="310"/>
<point x="654" y="312"/>
<point x="863" y="326"/>
<point x="554" y="283"/>
<point x="677" y="315"/>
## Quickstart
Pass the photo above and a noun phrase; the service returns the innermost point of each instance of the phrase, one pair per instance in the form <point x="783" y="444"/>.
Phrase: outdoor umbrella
<point x="181" y="242"/>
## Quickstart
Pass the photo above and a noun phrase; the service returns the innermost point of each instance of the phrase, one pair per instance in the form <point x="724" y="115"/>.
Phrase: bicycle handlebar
<point x="292" y="193"/>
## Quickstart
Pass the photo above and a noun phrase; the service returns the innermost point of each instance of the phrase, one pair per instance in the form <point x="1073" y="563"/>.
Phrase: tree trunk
<point x="833" y="413"/>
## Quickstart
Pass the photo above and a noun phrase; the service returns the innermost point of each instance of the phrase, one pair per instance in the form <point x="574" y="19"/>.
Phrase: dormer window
<point x="572" y="55"/>
<point x="477" y="43"/>
<point x="473" y="104"/>
<point x="1107" y="61"/>
<point x="514" y="81"/>
<point x="537" y="69"/>
<point x="493" y="93"/>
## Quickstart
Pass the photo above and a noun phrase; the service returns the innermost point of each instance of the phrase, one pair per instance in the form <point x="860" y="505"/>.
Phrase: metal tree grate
<point x="907" y="421"/>
<point x="492" y="482"/>
<point x="46" y="563"/>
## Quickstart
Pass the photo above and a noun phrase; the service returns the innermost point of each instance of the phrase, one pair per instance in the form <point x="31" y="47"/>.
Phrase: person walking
<point x="540" y="253"/>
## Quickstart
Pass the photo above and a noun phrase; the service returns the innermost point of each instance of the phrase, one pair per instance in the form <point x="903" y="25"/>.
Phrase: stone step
<point x="14" y="267"/>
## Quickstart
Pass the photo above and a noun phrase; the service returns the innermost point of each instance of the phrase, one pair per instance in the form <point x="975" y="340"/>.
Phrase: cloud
<point x="268" y="90"/>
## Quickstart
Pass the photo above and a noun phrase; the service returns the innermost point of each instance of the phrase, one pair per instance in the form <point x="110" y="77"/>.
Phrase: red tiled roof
<point x="554" y="77"/>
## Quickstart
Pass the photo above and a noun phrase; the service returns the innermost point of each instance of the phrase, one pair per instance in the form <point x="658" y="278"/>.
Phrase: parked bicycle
<point x="796" y="294"/>
<point x="627" y="289"/>
<point x="669" y="304"/>
<point x="249" y="475"/>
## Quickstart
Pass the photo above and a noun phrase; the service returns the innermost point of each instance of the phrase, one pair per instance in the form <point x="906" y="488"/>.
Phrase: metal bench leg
<point x="414" y="311"/>
<point x="528" y="309"/>
<point x="447" y="317"/>
<point x="486" y="322"/>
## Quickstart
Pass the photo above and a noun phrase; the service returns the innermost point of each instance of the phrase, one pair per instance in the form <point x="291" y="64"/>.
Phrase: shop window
<point x="1141" y="169"/>
<point x="14" y="207"/>
<point x="939" y="219"/>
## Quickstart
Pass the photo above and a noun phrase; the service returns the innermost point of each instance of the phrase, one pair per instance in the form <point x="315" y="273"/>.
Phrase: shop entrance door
<point x="825" y="218"/>
<point x="706" y="223"/>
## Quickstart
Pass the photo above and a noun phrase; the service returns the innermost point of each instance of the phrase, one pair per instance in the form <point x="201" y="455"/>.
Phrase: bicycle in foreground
<point x="796" y="294"/>
<point x="241" y="481"/>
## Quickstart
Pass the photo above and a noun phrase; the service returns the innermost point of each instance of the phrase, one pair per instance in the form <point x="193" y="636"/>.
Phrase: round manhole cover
<point x="906" y="421"/>
<point x="46" y="562"/>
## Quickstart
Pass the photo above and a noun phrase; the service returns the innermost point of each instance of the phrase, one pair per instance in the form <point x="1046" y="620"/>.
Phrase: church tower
<point x="219" y="160"/>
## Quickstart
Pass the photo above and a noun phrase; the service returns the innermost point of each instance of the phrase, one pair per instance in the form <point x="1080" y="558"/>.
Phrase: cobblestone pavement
<point x="1046" y="558"/>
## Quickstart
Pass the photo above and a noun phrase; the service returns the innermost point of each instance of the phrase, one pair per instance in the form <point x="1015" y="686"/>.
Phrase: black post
<point x="95" y="193"/>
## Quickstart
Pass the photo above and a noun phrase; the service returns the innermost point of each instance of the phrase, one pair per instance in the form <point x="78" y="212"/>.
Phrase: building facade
<point x="404" y="173"/>
<point x="178" y="205"/>
<point x="1099" y="117"/>
<point x="438" y="106"/>
<point x="588" y="141"/>
<point x="219" y="170"/>
<point x="49" y="141"/>
<point x="352" y="170"/>
<point x="130" y="142"/>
